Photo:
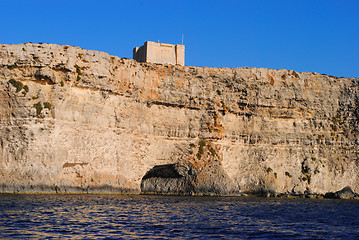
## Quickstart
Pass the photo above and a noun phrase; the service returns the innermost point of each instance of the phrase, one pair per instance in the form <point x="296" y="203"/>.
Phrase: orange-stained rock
<point x="88" y="121"/>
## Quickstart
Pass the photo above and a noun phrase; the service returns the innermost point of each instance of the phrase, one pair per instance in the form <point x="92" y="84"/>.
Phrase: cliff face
<point x="79" y="120"/>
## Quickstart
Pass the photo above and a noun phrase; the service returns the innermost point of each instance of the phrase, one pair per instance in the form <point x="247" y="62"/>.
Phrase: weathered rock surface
<point x="169" y="179"/>
<point x="345" y="193"/>
<point x="90" y="122"/>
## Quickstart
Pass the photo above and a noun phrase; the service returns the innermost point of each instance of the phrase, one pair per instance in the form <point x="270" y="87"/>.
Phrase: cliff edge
<point x="75" y="120"/>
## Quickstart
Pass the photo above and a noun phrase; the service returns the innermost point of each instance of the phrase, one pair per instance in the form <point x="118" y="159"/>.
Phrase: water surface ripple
<point x="175" y="217"/>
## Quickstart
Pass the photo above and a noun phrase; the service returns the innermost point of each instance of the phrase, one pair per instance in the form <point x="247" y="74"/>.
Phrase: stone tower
<point x="160" y="53"/>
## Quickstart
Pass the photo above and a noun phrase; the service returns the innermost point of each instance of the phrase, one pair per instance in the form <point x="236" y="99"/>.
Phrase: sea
<point x="103" y="216"/>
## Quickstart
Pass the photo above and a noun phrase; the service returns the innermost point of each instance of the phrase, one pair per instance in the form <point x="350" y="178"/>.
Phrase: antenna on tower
<point x="182" y="38"/>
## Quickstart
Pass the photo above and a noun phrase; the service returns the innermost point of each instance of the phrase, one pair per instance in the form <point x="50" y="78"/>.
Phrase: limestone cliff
<point x="78" y="120"/>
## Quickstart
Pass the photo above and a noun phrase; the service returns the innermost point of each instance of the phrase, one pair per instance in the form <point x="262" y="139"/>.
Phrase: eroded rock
<point x="243" y="130"/>
<point x="169" y="179"/>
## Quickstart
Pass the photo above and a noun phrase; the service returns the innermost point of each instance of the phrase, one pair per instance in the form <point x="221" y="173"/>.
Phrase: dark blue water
<point x="172" y="217"/>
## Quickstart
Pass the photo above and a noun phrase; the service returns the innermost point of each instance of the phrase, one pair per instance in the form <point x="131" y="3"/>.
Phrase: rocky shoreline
<point x="345" y="193"/>
<point x="347" y="196"/>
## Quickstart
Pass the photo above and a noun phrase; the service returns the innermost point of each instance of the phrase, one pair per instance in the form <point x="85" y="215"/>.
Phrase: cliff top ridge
<point x="51" y="55"/>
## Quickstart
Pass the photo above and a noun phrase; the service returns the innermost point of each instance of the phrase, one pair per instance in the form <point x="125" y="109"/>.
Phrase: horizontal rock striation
<point x="75" y="120"/>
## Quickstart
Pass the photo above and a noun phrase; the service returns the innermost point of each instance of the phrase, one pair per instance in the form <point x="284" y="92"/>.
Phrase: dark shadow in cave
<point x="162" y="171"/>
<point x="169" y="179"/>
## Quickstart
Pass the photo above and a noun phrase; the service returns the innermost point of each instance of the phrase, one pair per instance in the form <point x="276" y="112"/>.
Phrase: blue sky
<point x="303" y="35"/>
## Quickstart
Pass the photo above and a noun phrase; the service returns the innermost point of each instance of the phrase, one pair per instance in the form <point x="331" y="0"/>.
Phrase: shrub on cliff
<point x="47" y="105"/>
<point x="17" y="84"/>
<point x="38" y="107"/>
<point x="201" y="144"/>
<point x="26" y="88"/>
